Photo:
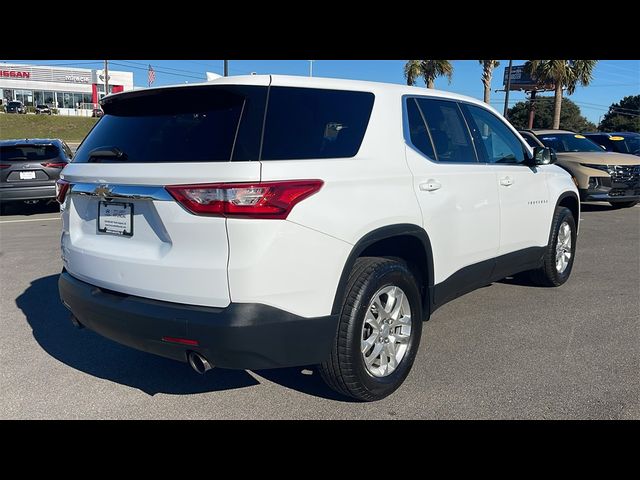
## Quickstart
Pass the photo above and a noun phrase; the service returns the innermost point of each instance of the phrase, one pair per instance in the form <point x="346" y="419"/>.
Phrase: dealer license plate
<point x="115" y="218"/>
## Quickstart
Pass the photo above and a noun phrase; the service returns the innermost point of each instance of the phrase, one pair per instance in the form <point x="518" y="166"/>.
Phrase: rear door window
<point x="448" y="131"/>
<point x="190" y="124"/>
<point x="418" y="129"/>
<point x="305" y="123"/>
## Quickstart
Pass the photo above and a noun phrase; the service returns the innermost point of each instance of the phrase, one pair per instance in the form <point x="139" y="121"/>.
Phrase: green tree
<point x="429" y="70"/>
<point x="562" y="74"/>
<point x="623" y="116"/>
<point x="570" y="119"/>
<point x="487" y="75"/>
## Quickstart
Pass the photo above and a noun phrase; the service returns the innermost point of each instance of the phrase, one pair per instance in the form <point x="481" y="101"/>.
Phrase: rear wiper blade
<point x="112" y="153"/>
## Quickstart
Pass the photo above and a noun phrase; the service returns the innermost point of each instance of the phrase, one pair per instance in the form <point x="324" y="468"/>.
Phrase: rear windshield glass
<point x="200" y="124"/>
<point x="28" y="152"/>
<point x="305" y="123"/>
<point x="14" y="104"/>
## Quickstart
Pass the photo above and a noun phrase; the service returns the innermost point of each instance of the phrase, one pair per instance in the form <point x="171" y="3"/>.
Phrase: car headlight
<point x="605" y="168"/>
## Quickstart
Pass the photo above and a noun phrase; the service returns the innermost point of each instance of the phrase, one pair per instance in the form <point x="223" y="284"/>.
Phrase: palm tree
<point x="562" y="74"/>
<point x="487" y="75"/>
<point x="427" y="69"/>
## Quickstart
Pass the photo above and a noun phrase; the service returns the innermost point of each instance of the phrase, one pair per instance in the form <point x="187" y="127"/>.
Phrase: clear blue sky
<point x="613" y="79"/>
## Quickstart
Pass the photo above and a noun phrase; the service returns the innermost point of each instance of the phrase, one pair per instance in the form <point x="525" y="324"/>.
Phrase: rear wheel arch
<point x="408" y="242"/>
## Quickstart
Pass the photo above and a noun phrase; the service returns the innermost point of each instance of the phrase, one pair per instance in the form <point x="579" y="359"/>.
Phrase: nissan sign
<point x="15" y="74"/>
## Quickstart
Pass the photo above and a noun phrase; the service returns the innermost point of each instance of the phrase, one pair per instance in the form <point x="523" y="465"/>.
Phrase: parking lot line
<point x="30" y="220"/>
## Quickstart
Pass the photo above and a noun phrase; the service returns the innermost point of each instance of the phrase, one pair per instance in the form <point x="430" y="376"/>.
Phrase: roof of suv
<point x="313" y="82"/>
<point x="614" y="134"/>
<point x="548" y="131"/>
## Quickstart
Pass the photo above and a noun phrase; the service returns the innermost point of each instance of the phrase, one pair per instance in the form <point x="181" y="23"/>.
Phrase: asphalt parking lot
<point x="506" y="351"/>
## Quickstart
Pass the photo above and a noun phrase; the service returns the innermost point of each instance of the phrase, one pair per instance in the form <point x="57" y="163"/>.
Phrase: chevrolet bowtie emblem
<point x="102" y="191"/>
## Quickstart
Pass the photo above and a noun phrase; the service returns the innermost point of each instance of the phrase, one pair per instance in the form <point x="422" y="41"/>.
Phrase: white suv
<point x="271" y="221"/>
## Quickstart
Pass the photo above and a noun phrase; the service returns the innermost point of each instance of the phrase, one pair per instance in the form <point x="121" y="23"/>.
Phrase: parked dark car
<point x="29" y="169"/>
<point x="621" y="142"/>
<point x="16" y="107"/>
<point x="43" y="109"/>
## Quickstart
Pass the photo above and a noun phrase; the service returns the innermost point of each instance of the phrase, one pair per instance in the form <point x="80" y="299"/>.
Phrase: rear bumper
<point x="16" y="193"/>
<point x="251" y="336"/>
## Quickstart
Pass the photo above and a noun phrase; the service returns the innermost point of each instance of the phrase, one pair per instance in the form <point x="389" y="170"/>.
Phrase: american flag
<point x="152" y="75"/>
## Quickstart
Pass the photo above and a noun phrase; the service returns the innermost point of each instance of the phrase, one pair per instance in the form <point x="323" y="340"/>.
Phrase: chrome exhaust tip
<point x="199" y="363"/>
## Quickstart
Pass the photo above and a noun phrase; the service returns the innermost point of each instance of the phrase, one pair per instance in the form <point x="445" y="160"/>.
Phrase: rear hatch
<point x="122" y="230"/>
<point x="29" y="164"/>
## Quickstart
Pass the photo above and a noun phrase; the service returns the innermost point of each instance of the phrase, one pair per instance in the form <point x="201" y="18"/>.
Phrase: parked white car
<point x="272" y="221"/>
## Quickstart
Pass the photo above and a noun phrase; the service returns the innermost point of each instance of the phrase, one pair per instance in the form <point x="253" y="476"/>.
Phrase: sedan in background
<point x="29" y="169"/>
<point x="600" y="176"/>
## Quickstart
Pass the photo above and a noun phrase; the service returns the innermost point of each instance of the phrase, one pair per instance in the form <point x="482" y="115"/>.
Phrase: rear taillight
<point x="54" y="164"/>
<point x="272" y="200"/>
<point x="5" y="165"/>
<point x="62" y="187"/>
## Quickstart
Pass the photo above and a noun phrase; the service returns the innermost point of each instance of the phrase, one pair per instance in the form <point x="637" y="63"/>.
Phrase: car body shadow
<point x="520" y="279"/>
<point x="26" y="209"/>
<point x="95" y="355"/>
<point x="596" y="207"/>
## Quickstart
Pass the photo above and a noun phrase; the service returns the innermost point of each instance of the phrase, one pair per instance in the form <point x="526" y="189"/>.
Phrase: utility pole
<point x="106" y="77"/>
<point x="532" y="108"/>
<point x="506" y="96"/>
<point x="311" y="68"/>
<point x="226" y="68"/>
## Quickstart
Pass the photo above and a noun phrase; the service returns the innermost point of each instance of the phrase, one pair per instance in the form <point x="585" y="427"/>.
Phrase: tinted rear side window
<point x="29" y="152"/>
<point x="305" y="123"/>
<point x="448" y="131"/>
<point x="418" y="130"/>
<point x="198" y="124"/>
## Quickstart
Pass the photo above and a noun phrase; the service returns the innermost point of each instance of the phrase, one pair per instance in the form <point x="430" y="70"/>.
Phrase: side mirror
<point x="544" y="156"/>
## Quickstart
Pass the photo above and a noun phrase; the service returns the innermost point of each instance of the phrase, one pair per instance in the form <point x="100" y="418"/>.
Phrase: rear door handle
<point x="430" y="185"/>
<point x="506" y="181"/>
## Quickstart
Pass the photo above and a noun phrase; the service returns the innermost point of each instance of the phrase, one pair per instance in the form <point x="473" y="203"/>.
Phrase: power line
<point x="161" y="67"/>
<point x="159" y="70"/>
<point x="612" y="65"/>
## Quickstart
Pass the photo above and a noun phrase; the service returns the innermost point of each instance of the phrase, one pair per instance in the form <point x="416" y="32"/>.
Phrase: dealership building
<point x="73" y="91"/>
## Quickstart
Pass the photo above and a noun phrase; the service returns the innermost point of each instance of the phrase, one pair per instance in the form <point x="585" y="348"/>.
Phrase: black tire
<point x="623" y="204"/>
<point x="345" y="371"/>
<point x="548" y="275"/>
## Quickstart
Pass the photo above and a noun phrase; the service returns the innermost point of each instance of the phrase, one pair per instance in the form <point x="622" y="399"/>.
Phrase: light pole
<point x="106" y="77"/>
<point x="226" y="68"/>
<point x="506" y="96"/>
<point x="311" y="68"/>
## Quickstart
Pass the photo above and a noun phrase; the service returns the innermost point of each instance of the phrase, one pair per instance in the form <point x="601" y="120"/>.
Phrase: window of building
<point x="49" y="99"/>
<point x="25" y="96"/>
